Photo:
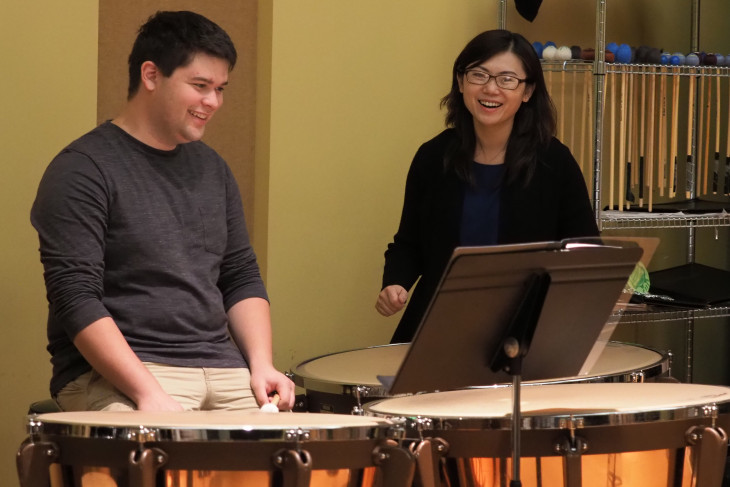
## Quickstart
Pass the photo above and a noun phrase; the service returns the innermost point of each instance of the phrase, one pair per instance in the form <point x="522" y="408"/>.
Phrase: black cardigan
<point x="555" y="205"/>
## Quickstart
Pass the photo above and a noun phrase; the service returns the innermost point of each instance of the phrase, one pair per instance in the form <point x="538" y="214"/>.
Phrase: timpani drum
<point x="206" y="449"/>
<point x="342" y="382"/>
<point x="579" y="434"/>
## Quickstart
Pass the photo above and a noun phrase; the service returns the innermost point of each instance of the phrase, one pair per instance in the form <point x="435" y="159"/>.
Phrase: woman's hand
<point x="391" y="300"/>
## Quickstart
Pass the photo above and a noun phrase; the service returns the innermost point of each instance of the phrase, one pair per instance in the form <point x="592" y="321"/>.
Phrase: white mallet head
<point x="564" y="53"/>
<point x="550" y="53"/>
<point x="272" y="406"/>
<point x="269" y="408"/>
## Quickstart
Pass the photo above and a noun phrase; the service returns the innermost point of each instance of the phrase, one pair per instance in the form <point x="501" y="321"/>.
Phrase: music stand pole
<point x="512" y="350"/>
<point x="514" y="347"/>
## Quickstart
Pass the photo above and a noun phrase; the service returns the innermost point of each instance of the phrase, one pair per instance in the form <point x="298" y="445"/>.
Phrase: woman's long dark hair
<point x="534" y="123"/>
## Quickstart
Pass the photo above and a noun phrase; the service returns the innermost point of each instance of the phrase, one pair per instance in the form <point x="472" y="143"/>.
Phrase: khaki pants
<point x="194" y="388"/>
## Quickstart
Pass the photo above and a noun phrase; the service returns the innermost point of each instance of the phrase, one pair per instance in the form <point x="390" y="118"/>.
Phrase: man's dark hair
<point x="172" y="39"/>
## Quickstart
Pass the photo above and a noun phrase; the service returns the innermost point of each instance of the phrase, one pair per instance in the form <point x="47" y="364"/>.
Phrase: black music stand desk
<point x="483" y="289"/>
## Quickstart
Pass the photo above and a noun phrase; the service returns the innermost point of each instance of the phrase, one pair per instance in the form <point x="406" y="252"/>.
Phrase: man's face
<point x="186" y="101"/>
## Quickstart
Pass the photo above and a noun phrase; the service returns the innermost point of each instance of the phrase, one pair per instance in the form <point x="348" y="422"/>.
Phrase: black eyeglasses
<point x="505" y="81"/>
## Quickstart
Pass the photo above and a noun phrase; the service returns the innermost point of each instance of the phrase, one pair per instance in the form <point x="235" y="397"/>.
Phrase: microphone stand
<point x="513" y="348"/>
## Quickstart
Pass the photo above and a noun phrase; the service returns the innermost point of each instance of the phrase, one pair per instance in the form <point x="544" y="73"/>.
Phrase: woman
<point x="496" y="175"/>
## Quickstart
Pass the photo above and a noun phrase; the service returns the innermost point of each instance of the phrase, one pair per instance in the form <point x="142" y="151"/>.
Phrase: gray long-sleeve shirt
<point x="155" y="239"/>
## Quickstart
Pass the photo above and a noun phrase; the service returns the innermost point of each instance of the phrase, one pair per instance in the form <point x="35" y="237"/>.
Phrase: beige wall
<point x="346" y="93"/>
<point x="49" y="97"/>
<point x="354" y="90"/>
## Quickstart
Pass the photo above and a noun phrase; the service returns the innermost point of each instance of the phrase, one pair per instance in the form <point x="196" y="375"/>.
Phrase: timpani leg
<point x="33" y="461"/>
<point x="429" y="453"/>
<point x="708" y="454"/>
<point x="572" y="462"/>
<point x="295" y="467"/>
<point x="143" y="466"/>
<point x="396" y="465"/>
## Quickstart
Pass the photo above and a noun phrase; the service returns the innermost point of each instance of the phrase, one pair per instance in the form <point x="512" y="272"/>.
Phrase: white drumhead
<point x="552" y="399"/>
<point x="617" y="358"/>
<point x="355" y="367"/>
<point x="208" y="420"/>
<point x="363" y="366"/>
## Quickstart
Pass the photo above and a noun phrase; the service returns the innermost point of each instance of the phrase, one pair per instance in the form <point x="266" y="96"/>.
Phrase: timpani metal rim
<point x="711" y="408"/>
<point x="206" y="426"/>
<point x="655" y="366"/>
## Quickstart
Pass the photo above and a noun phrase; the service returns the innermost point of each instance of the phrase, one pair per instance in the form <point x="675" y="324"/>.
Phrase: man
<point x="155" y="297"/>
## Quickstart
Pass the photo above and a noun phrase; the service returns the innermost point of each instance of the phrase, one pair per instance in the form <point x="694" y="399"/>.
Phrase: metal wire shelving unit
<point x="688" y="221"/>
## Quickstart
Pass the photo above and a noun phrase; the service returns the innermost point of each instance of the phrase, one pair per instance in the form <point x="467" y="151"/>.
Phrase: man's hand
<point x="104" y="347"/>
<point x="269" y="380"/>
<point x="158" y="402"/>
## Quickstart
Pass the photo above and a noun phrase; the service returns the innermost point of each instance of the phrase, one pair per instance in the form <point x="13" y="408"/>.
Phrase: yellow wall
<point x="355" y="89"/>
<point x="346" y="93"/>
<point x="351" y="91"/>
<point x="49" y="98"/>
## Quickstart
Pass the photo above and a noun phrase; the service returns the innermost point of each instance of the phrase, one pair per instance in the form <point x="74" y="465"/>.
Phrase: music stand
<point x="551" y="299"/>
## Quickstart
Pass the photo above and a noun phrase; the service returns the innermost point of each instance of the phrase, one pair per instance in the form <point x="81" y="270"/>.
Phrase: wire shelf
<point x="570" y="66"/>
<point x="638" y="317"/>
<point x="667" y="69"/>
<point x="578" y="65"/>
<point x="615" y="220"/>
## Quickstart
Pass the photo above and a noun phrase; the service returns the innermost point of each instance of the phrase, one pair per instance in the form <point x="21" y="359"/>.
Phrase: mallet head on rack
<point x="550" y="53"/>
<point x="538" y="47"/>
<point x="692" y="59"/>
<point x="564" y="53"/>
<point x="623" y="54"/>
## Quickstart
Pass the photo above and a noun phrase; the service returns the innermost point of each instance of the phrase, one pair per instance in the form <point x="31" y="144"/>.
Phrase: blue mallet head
<point x="537" y="46"/>
<point x="623" y="54"/>
<point x="692" y="59"/>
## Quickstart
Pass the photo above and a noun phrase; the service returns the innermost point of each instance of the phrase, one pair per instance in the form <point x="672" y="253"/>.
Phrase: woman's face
<point x="489" y="104"/>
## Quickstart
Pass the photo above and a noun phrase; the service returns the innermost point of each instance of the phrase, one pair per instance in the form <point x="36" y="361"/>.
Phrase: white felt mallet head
<point x="271" y="406"/>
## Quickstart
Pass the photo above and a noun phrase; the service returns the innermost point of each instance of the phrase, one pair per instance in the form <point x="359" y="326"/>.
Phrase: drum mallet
<point x="271" y="406"/>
